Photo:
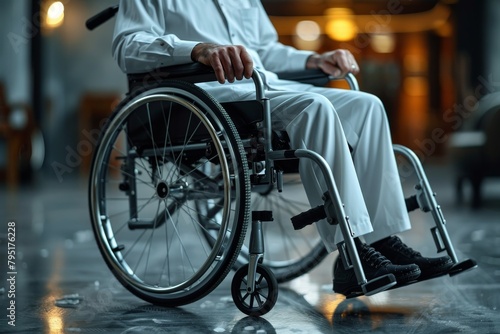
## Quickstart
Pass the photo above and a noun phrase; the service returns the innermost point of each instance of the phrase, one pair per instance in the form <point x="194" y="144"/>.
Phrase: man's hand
<point x="228" y="61"/>
<point x="336" y="63"/>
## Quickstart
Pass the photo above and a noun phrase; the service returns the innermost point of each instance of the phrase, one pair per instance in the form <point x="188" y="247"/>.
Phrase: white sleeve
<point x="272" y="52"/>
<point x="140" y="43"/>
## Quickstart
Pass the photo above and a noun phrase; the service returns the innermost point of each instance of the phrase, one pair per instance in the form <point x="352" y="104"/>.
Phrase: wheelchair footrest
<point x="374" y="286"/>
<point x="462" y="266"/>
<point x="379" y="284"/>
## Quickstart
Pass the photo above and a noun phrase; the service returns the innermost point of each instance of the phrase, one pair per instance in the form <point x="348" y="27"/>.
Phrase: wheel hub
<point x="162" y="190"/>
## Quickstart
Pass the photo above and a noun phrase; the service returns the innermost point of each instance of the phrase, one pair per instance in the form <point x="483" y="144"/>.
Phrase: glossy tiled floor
<point x="63" y="286"/>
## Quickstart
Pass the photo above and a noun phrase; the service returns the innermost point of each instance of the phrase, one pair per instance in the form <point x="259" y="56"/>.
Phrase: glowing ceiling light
<point x="383" y="43"/>
<point x="308" y="30"/>
<point x="341" y="25"/>
<point x="55" y="14"/>
<point x="307" y="35"/>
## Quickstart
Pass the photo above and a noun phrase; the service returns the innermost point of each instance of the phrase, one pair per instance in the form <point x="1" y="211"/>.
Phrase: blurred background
<point x="435" y="64"/>
<point x="430" y="61"/>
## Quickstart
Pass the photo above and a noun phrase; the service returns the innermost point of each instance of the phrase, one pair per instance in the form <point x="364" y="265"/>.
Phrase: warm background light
<point x="308" y="30"/>
<point x="341" y="25"/>
<point x="307" y="35"/>
<point x="383" y="43"/>
<point x="55" y="15"/>
<point x="416" y="86"/>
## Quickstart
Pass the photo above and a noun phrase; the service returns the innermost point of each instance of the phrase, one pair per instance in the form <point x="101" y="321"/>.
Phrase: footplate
<point x="462" y="266"/>
<point x="379" y="284"/>
<point x="376" y="285"/>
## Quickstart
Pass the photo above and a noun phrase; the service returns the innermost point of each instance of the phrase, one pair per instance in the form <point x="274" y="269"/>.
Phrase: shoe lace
<point x="373" y="257"/>
<point x="402" y="248"/>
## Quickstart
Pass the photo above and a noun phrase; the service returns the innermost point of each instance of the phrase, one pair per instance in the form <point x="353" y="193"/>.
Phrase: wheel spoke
<point x="152" y="172"/>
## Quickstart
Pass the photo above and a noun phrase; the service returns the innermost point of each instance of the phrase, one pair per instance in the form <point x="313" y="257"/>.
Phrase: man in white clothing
<point x="236" y="36"/>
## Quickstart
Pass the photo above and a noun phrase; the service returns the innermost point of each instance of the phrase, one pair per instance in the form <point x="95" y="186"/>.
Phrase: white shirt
<point x="156" y="33"/>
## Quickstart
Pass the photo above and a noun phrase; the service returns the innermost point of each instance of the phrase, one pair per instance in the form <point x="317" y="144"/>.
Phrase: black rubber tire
<point x="218" y="261"/>
<point x="266" y="287"/>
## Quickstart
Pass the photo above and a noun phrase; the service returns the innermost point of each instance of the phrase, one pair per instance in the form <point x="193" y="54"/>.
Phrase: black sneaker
<point x="399" y="253"/>
<point x="374" y="265"/>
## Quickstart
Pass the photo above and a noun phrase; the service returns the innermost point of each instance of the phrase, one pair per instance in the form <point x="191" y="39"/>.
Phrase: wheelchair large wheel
<point x="288" y="253"/>
<point x="162" y="153"/>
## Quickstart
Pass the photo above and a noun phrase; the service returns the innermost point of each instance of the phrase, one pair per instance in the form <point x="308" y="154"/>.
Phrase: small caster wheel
<point x="263" y="299"/>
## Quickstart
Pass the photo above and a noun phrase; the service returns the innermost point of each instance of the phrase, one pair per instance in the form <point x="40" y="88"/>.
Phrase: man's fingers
<point x="354" y="64"/>
<point x="347" y="62"/>
<point x="218" y="69"/>
<point x="339" y="62"/>
<point x="235" y="64"/>
<point x="247" y="64"/>
<point x="228" y="64"/>
<point x="332" y="70"/>
<point x="240" y="63"/>
<point x="343" y="62"/>
<point x="228" y="61"/>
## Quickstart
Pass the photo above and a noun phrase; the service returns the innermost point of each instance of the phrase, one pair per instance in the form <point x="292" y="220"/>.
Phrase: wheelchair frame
<point x="251" y="280"/>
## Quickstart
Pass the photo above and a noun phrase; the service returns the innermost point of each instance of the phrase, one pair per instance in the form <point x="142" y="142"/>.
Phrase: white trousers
<point x="327" y="121"/>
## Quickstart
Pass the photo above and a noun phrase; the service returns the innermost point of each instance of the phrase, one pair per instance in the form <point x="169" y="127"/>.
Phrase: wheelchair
<point x="177" y="178"/>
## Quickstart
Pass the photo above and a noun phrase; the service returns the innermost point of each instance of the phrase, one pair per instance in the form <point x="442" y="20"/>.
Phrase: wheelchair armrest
<point x="101" y="17"/>
<point x="197" y="72"/>
<point x="313" y="77"/>
<point x="192" y="72"/>
<point x="317" y="78"/>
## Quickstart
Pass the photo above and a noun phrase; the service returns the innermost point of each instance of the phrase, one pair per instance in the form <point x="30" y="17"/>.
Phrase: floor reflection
<point x="253" y="325"/>
<point x="64" y="285"/>
<point x="355" y="313"/>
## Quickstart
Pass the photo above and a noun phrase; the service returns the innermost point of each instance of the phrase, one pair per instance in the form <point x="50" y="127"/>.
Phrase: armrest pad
<point x="192" y="72"/>
<point x="313" y="77"/>
<point x="197" y="72"/>
<point x="318" y="78"/>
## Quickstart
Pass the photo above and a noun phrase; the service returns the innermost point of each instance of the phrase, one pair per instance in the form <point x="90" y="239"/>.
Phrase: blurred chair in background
<point x="475" y="150"/>
<point x="95" y="108"/>
<point x="17" y="126"/>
